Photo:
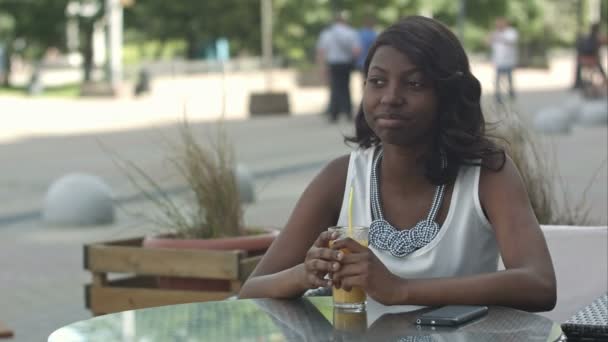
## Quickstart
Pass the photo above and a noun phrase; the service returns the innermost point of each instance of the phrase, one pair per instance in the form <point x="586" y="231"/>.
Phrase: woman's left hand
<point x="360" y="267"/>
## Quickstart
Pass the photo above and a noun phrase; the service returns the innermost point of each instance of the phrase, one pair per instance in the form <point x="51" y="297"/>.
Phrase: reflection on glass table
<point x="307" y="319"/>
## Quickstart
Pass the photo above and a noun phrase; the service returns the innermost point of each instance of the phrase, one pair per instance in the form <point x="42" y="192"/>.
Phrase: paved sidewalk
<point x="41" y="272"/>
<point x="41" y="275"/>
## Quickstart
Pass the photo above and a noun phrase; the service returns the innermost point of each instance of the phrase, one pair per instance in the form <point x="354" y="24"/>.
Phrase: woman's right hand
<point x="321" y="260"/>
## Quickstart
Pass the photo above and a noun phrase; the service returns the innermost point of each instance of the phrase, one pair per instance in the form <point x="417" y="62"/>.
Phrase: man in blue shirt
<point x="338" y="47"/>
<point x="367" y="36"/>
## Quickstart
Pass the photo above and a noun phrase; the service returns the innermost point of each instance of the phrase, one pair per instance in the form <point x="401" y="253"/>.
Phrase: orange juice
<point x="350" y="321"/>
<point x="355" y="298"/>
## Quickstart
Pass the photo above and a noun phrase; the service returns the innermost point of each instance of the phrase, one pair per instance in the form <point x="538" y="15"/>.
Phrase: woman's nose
<point x="392" y="96"/>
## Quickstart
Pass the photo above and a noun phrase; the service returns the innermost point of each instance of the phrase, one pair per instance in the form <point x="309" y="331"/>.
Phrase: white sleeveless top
<point x="465" y="244"/>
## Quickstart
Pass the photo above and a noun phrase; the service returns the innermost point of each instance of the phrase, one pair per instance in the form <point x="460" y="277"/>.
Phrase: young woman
<point x="441" y="200"/>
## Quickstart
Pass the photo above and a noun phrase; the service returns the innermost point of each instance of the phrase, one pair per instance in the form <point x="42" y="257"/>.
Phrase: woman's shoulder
<point x="327" y="187"/>
<point x="494" y="161"/>
<point x="335" y="172"/>
<point x="342" y="163"/>
<point x="493" y="180"/>
<point x="337" y="165"/>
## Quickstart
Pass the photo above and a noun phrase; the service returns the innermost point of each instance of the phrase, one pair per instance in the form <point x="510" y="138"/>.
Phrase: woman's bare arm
<point x="281" y="272"/>
<point x="528" y="281"/>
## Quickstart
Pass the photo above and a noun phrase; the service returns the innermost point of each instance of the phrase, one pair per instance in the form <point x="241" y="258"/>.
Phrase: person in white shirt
<point x="337" y="50"/>
<point x="429" y="183"/>
<point x="504" y="55"/>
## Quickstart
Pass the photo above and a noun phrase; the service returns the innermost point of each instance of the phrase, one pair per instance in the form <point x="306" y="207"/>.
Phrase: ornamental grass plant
<point x="549" y="195"/>
<point x="212" y="207"/>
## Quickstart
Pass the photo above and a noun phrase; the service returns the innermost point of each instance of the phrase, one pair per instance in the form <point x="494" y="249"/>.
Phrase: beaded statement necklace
<point x="400" y="243"/>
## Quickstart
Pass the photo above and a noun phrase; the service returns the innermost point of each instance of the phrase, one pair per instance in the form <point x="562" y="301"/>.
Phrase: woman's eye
<point x="414" y="84"/>
<point x="376" y="82"/>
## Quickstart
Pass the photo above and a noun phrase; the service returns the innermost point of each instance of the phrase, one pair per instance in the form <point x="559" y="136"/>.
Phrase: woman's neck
<point x="404" y="166"/>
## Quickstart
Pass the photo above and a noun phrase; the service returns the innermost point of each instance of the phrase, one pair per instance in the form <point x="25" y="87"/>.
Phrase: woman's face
<point x="399" y="103"/>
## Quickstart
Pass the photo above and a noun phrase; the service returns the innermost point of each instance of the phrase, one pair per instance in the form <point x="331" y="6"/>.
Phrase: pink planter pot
<point x="249" y="243"/>
<point x="252" y="244"/>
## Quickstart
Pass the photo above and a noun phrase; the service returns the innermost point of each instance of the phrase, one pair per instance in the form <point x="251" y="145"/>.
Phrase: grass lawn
<point x="66" y="91"/>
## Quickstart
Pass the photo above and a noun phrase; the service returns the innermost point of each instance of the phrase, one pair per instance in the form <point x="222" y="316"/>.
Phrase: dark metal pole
<point x="462" y="13"/>
<point x="579" y="18"/>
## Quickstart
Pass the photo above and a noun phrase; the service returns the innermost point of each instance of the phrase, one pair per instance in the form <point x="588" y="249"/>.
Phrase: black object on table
<point x="590" y="323"/>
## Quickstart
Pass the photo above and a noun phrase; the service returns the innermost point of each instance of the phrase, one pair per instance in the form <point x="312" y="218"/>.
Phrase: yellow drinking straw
<point x="350" y="211"/>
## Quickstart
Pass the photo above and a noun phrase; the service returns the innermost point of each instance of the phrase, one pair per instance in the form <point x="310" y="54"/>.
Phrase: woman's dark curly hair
<point x="460" y="127"/>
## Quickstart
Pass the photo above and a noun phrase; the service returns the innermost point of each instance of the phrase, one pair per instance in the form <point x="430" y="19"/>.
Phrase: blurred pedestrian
<point x="337" y="50"/>
<point x="504" y="55"/>
<point x="587" y="54"/>
<point x="367" y="36"/>
<point x="143" y="82"/>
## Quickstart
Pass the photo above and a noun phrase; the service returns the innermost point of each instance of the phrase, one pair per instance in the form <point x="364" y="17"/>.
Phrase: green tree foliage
<point x="297" y="24"/>
<point x="197" y="22"/>
<point x="39" y="24"/>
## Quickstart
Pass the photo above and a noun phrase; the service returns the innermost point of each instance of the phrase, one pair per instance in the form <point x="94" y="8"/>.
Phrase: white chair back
<point x="580" y="260"/>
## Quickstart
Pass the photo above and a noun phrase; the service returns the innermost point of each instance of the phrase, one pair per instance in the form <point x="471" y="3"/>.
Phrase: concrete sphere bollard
<point x="552" y="120"/>
<point x="244" y="180"/>
<point x="572" y="106"/>
<point x="594" y="113"/>
<point x="78" y="199"/>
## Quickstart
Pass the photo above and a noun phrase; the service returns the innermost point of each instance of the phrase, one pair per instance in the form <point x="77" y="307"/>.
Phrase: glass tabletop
<point x="307" y="319"/>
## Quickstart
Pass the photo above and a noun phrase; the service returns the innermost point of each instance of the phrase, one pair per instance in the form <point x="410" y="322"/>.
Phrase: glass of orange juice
<point x="354" y="299"/>
<point x="350" y="321"/>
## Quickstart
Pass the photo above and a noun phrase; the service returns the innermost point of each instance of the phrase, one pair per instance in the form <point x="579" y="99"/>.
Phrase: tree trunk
<point x="579" y="18"/>
<point x="192" y="46"/>
<point x="161" y="48"/>
<point x="87" y="50"/>
<point x="6" y="77"/>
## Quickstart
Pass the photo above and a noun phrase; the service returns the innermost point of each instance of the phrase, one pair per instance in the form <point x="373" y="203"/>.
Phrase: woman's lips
<point x="391" y="121"/>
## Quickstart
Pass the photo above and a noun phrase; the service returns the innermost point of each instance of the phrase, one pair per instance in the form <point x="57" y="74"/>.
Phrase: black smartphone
<point x="451" y="315"/>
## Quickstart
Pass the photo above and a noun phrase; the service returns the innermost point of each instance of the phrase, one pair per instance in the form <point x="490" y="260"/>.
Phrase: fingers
<point x="352" y="265"/>
<point x="321" y="266"/>
<point x="355" y="258"/>
<point x="349" y="282"/>
<point x="321" y="260"/>
<point x="316" y="271"/>
<point x="316" y="281"/>
<point x="324" y="238"/>
<point x="324" y="254"/>
<point x="349" y="270"/>
<point x="350" y="244"/>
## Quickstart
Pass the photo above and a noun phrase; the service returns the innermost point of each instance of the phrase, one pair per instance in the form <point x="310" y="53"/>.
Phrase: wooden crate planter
<point x="124" y="274"/>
